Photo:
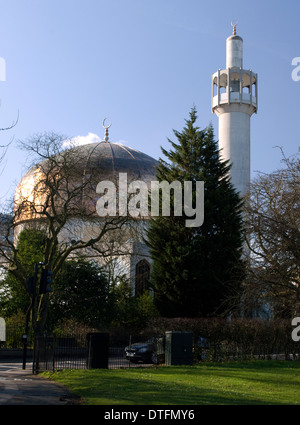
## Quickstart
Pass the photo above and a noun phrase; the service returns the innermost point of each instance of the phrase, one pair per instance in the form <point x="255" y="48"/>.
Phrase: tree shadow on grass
<point x="256" y="383"/>
<point x="124" y="390"/>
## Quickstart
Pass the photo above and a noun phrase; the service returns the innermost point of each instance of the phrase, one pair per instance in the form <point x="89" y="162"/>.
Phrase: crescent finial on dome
<point x="106" y="127"/>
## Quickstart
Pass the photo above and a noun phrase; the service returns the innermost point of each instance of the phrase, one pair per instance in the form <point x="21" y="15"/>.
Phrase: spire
<point x="106" y="127"/>
<point x="234" y="49"/>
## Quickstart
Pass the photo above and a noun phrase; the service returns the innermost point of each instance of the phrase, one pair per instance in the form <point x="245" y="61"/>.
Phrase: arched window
<point x="142" y="276"/>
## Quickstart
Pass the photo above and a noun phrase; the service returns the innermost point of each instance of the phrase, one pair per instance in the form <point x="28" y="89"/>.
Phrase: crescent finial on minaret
<point x="234" y="24"/>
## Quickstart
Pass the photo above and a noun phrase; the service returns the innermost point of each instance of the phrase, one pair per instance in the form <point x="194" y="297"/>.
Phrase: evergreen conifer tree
<point x="195" y="269"/>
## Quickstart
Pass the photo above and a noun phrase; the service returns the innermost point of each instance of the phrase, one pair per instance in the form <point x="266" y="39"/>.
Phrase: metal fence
<point x="14" y="338"/>
<point x="59" y="351"/>
<point x="52" y="353"/>
<point x="73" y="351"/>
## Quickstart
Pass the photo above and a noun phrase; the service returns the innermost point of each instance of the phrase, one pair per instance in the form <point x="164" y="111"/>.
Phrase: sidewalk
<point x="21" y="387"/>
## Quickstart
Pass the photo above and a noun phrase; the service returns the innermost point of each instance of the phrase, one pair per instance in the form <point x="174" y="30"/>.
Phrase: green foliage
<point x="132" y="312"/>
<point x="15" y="326"/>
<point x="30" y="250"/>
<point x="13" y="296"/>
<point x="195" y="269"/>
<point x="81" y="291"/>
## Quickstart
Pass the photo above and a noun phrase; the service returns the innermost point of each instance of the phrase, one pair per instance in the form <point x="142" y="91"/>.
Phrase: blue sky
<point x="143" y="63"/>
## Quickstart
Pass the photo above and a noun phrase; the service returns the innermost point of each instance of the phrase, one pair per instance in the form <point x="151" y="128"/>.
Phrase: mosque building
<point x="234" y="100"/>
<point x="104" y="161"/>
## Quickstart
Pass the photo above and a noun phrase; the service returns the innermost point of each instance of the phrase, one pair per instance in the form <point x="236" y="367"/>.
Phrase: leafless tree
<point x="272" y="213"/>
<point x="4" y="147"/>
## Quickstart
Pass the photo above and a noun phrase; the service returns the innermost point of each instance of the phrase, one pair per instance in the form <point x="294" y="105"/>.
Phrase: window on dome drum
<point x="142" y="276"/>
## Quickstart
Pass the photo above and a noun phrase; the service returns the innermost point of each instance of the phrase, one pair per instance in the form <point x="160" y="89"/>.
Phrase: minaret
<point x="234" y="100"/>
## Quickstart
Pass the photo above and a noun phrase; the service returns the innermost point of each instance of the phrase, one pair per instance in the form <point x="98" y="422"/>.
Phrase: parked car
<point x="144" y="352"/>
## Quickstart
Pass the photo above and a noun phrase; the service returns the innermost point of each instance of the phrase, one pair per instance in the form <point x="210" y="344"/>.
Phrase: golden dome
<point x="69" y="179"/>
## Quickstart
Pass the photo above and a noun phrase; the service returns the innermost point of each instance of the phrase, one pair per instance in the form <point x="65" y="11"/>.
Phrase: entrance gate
<point x="54" y="353"/>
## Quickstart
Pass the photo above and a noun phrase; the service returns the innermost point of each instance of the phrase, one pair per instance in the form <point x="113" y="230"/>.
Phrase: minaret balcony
<point x="234" y="85"/>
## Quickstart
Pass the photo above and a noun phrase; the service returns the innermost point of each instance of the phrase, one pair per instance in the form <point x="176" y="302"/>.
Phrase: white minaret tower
<point x="234" y="100"/>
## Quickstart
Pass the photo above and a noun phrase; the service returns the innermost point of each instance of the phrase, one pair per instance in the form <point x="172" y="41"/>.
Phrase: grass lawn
<point x="253" y="382"/>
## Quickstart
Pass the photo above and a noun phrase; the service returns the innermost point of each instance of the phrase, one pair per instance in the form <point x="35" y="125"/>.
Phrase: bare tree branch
<point x="273" y="237"/>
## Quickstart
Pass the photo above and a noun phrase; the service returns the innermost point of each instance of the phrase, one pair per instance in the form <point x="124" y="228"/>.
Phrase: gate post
<point x="179" y="348"/>
<point x="97" y="356"/>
